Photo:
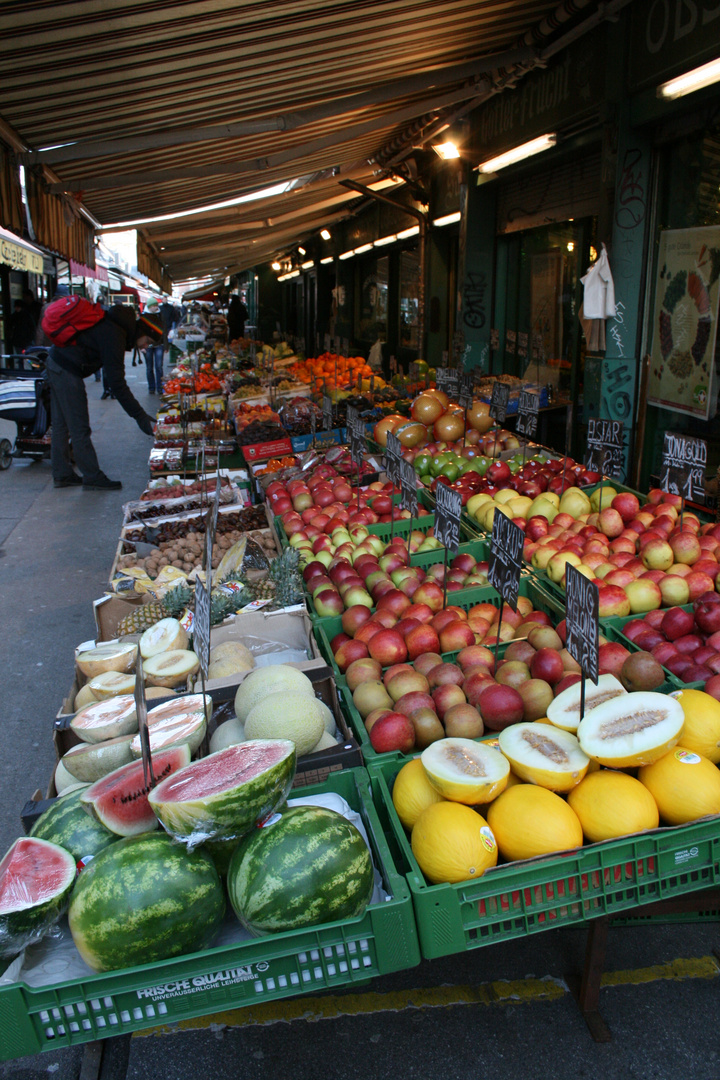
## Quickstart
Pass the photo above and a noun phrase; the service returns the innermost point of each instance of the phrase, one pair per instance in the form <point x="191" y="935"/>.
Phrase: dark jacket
<point x="104" y="346"/>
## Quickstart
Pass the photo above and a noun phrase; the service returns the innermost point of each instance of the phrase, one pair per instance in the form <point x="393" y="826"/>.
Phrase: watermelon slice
<point x="119" y="801"/>
<point x="36" y="878"/>
<point x="221" y="797"/>
<point x="106" y="719"/>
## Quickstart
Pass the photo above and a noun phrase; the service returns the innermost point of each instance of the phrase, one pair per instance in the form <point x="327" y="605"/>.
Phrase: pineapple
<point x="141" y="618"/>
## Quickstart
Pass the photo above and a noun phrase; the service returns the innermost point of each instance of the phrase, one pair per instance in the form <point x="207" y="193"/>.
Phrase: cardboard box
<point x="111" y="609"/>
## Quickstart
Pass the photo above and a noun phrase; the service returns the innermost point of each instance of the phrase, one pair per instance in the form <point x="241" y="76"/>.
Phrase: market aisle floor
<point x="504" y="1009"/>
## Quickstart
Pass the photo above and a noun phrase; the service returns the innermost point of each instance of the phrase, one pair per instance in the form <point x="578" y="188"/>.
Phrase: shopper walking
<point x="154" y="353"/>
<point x="236" y="316"/>
<point x="101" y="346"/>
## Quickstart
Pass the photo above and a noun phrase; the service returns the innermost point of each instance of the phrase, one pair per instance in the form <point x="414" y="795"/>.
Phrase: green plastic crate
<point x="326" y="629"/>
<point x="326" y="957"/>
<point x="514" y="900"/>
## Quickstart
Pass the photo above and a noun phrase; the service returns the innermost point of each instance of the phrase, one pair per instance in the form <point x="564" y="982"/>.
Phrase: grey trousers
<point x="70" y="422"/>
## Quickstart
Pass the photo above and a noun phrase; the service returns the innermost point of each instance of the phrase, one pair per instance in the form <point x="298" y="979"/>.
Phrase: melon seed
<point x="464" y="762"/>
<point x="545" y="746"/>
<point x="628" y="725"/>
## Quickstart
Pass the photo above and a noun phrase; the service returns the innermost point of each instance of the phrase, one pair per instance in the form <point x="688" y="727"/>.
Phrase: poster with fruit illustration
<point x="682" y="375"/>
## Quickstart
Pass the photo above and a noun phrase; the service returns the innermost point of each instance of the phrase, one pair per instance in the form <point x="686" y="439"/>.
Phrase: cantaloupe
<point x="171" y="668"/>
<point x="106" y="719"/>
<point x="111" y="683"/>
<point x="543" y="755"/>
<point x="230" y="733"/>
<point x="611" y="804"/>
<point x="632" y="729"/>
<point x="412" y="792"/>
<point x="89" y="761"/>
<point x="110" y="656"/>
<point x="528" y="821"/>
<point x="465" y="771"/>
<point x="685" y="786"/>
<point x="452" y="842"/>
<point x="279" y="716"/>
<point x="163" y="636"/>
<point x="701" y="729"/>
<point x="274" y="679"/>
<point x="325" y="742"/>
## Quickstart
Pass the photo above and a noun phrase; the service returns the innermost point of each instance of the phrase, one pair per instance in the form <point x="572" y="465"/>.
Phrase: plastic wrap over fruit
<point x="36" y="878"/>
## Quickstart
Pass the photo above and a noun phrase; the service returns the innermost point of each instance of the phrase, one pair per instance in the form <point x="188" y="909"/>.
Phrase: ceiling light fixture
<point x="518" y="153"/>
<point x="385" y="240"/>
<point x="327" y="259"/>
<point x="293" y="273"/>
<point x="406" y="233"/>
<point x="276" y="266"/>
<point x="325" y="233"/>
<point x="446" y="150"/>
<point x="362" y="248"/>
<point x="301" y="251"/>
<point x="693" y="80"/>
<point x="346" y="255"/>
<point x="449" y="219"/>
<point x="308" y="265"/>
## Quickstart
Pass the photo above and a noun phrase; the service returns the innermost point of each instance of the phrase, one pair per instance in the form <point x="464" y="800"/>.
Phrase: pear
<point x="574" y="502"/>
<point x="608" y="494"/>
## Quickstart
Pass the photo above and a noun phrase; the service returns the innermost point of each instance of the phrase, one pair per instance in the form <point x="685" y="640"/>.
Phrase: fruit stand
<point x="442" y="746"/>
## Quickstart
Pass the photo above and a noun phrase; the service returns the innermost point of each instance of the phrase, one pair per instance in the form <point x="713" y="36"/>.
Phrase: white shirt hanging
<point x="599" y="299"/>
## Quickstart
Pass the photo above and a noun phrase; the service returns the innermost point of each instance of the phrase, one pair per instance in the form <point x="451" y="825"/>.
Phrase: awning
<point x="80" y="270"/>
<point x="19" y="254"/>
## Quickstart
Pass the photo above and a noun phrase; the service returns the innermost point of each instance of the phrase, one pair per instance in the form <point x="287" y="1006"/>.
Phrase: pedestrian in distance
<point x="236" y="316"/>
<point x="101" y="346"/>
<point x="154" y="354"/>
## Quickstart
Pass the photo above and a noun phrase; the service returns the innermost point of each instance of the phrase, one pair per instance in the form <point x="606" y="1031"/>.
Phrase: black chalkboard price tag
<point x="408" y="488"/>
<point x="499" y="401"/>
<point x="466" y="389"/>
<point x="201" y="624"/>
<point x="141" y="713"/>
<point x="356" y="434"/>
<point x="448" y="507"/>
<point x="604" y="453"/>
<point x="327" y="412"/>
<point x="313" y="422"/>
<point x="684" y="461"/>
<point x="448" y="380"/>
<point x="506" y="552"/>
<point x="393" y="459"/>
<point x="528" y="409"/>
<point x="582" y="612"/>
<point x="215" y="505"/>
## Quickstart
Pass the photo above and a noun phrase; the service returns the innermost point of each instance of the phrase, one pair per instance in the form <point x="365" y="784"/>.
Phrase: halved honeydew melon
<point x="106" y="719"/>
<point x="171" y="668"/>
<point x="465" y="771"/>
<point x="564" y="711"/>
<point x="89" y="761"/>
<point x="164" y="636"/>
<point x="154" y="692"/>
<point x="112" y="683"/>
<point x="181" y="705"/>
<point x="110" y="656"/>
<point x="188" y="731"/>
<point x="63" y="779"/>
<point x="543" y="755"/>
<point x="83" y="697"/>
<point x="631" y="729"/>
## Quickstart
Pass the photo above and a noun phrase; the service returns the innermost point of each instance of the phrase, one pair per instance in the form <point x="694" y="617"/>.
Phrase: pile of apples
<point x="326" y="490"/>
<point x="410" y="693"/>
<point x="686" y="642"/>
<point x="531" y="480"/>
<point x="378" y="570"/>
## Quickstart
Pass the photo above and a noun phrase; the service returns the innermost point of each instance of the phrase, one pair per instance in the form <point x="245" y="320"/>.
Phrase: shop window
<point x="372" y="311"/>
<point x="409" y="300"/>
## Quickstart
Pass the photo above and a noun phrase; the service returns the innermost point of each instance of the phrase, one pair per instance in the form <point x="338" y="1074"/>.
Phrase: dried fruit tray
<point x="67" y="1013"/>
<point x="516" y="899"/>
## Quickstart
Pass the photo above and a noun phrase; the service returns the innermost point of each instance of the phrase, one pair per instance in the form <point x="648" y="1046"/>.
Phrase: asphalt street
<point x="503" y="1009"/>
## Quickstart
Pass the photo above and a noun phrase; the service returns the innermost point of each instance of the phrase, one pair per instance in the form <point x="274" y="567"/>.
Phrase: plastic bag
<point x="36" y="878"/>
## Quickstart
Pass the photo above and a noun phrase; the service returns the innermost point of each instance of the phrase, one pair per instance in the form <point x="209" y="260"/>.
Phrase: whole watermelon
<point x="310" y="866"/>
<point x="68" y="824"/>
<point x="142" y="900"/>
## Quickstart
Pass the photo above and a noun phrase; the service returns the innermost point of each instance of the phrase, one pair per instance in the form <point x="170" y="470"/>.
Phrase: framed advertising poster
<point x="682" y="376"/>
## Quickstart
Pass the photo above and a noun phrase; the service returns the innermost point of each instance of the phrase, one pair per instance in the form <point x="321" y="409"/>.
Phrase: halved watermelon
<point x="221" y="797"/>
<point x="119" y="801"/>
<point x="36" y="878"/>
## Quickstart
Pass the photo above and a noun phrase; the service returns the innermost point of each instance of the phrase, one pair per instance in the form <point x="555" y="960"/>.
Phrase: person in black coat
<point x="101" y="346"/>
<point x="236" y="316"/>
<point x="22" y="327"/>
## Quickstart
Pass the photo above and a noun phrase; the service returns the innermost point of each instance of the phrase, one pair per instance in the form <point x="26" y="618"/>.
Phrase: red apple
<point x="676" y="623"/>
<point x="446" y="696"/>
<point x="547" y="665"/>
<point x="455" y="636"/>
<point x="354" y="617"/>
<point x="350" y="651"/>
<point x="394" y="731"/>
<point x="427" y="661"/>
<point x="388" y="647"/>
<point x="611" y="657"/>
<point x="500" y="706"/>
<point x="416" y="699"/>
<point x="363" y="670"/>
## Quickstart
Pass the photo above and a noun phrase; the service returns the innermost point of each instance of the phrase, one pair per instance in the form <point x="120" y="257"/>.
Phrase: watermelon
<point x="119" y="801"/>
<point x="68" y="824"/>
<point x="222" y="796"/>
<point x="309" y="866"/>
<point x="36" y="878"/>
<point x="143" y="900"/>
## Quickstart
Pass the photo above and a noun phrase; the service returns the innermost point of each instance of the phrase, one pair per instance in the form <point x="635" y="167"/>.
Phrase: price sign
<point x="684" y="462"/>
<point x="604" y="452"/>
<point x="201" y="624"/>
<point x="356" y="432"/>
<point x="506" y="552"/>
<point x="448" y="507"/>
<point x="393" y="458"/>
<point x="345" y="347"/>
<point x="528" y="408"/>
<point x="313" y="421"/>
<point x="445" y="357"/>
<point x="327" y="413"/>
<point x="466" y="389"/>
<point x="408" y="488"/>
<point x="499" y="402"/>
<point x="215" y="508"/>
<point x="141" y="713"/>
<point x="448" y="380"/>
<point x="582" y="610"/>
<point x="327" y="342"/>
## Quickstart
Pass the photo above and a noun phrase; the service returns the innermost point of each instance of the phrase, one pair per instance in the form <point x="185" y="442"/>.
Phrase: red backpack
<point x="65" y="317"/>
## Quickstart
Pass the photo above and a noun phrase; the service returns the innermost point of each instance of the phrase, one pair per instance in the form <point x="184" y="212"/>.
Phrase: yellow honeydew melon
<point x="631" y="729"/>
<point x="564" y="711"/>
<point x="543" y="755"/>
<point x="89" y="761"/>
<point x="83" y="697"/>
<point x="226" y="666"/>
<point x="152" y="692"/>
<point x="171" y="669"/>
<point x="111" y="683"/>
<point x="412" y="792"/>
<point x="107" y="719"/>
<point x="282" y="716"/>
<point x="452" y="843"/>
<point x="164" y="636"/>
<point x="263" y="681"/>
<point x="465" y="771"/>
<point x="230" y="733"/>
<point x="528" y="821"/>
<point x="685" y="785"/>
<point x="701" y="729"/>
<point x="110" y="656"/>
<point x="611" y="804"/>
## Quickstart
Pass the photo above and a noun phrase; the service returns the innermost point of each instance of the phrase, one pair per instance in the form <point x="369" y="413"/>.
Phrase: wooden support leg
<point x="106" y="1059"/>
<point x="586" y="990"/>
